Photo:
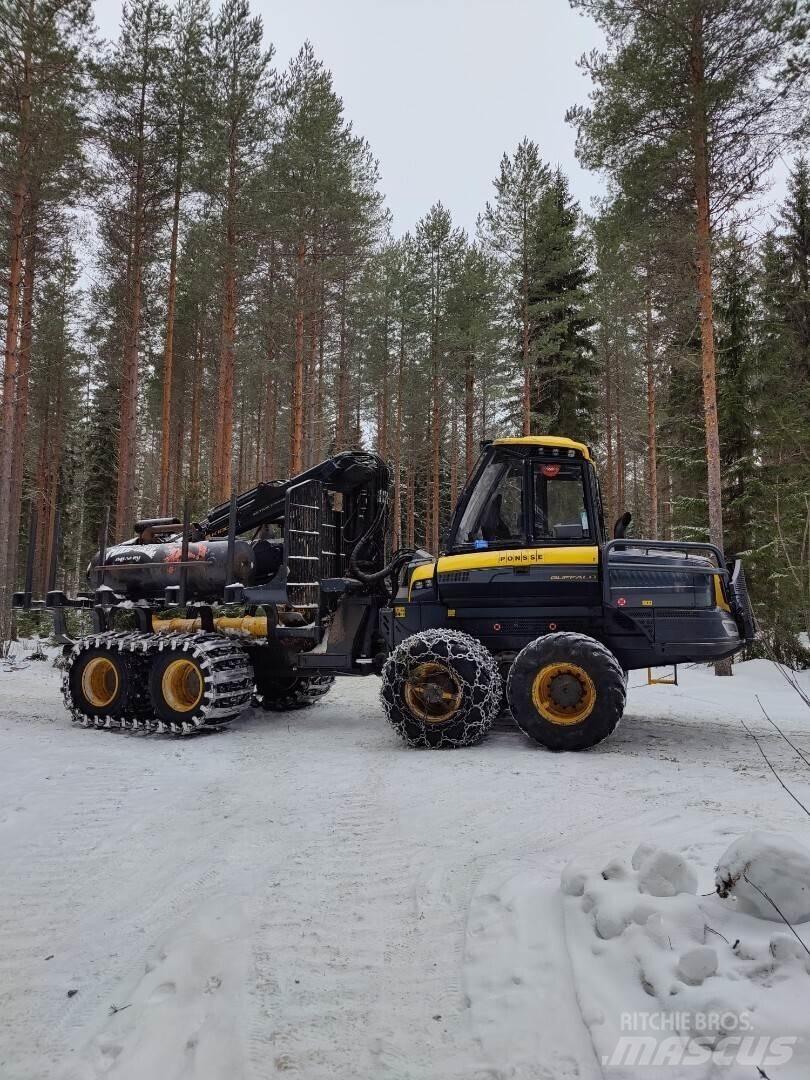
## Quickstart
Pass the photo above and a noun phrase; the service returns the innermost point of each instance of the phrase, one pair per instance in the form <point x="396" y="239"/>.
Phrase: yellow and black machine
<point x="529" y="606"/>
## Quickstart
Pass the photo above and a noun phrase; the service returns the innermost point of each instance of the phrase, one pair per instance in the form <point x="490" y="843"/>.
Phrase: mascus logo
<point x="512" y="558"/>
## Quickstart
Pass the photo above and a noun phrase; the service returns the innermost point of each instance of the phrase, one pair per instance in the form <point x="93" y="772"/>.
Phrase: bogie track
<point x="220" y="666"/>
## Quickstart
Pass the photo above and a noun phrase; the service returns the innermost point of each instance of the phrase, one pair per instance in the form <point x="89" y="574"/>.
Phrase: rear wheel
<point x="441" y="688"/>
<point x="294" y="692"/>
<point x="97" y="685"/>
<point x="198" y="681"/>
<point x="566" y="691"/>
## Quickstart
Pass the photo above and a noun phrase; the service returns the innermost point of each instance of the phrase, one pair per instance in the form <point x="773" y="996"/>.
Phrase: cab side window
<point x="560" y="511"/>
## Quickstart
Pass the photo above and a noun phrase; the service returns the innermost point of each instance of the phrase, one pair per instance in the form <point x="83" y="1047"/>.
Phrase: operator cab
<point x="530" y="492"/>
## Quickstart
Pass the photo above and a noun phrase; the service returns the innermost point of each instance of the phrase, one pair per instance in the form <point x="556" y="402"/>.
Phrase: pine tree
<point x="43" y="89"/>
<point x="132" y="127"/>
<point x="237" y="128"/>
<point x="186" y="111"/>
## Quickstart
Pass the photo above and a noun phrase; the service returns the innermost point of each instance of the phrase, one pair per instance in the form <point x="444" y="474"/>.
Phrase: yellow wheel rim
<point x="100" y="682"/>
<point x="182" y="686"/>
<point x="563" y="693"/>
<point x="433" y="692"/>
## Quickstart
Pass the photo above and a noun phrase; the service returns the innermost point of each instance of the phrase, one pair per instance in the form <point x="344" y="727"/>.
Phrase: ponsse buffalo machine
<point x="275" y="593"/>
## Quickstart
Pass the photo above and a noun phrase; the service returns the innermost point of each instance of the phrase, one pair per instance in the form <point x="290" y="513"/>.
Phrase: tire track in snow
<point x="69" y="887"/>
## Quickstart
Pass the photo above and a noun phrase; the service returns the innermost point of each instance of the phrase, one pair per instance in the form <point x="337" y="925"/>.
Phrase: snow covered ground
<point x="303" y="896"/>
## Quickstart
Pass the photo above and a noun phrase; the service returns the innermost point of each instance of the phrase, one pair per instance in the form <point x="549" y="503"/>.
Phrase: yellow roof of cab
<point x="546" y="440"/>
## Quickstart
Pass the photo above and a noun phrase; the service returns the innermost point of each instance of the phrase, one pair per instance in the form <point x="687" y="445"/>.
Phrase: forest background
<point x="201" y="286"/>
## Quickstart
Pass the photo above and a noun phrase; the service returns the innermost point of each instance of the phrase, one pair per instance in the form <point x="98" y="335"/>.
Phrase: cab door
<point x="528" y="536"/>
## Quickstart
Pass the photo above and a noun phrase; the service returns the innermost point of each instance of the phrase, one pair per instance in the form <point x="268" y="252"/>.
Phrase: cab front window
<point x="494" y="512"/>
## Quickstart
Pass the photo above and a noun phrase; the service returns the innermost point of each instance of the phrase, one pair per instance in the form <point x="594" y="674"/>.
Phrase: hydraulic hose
<point x="388" y="571"/>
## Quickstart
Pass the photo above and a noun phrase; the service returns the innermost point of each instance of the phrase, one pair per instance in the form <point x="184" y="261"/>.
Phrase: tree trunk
<point x="21" y="402"/>
<point x="270" y="382"/>
<point x="223" y="446"/>
<point x="652" y="442"/>
<point x="196" y="408"/>
<point x="311" y="387"/>
<point x="10" y="357"/>
<point x="171" y="302"/>
<point x="48" y="475"/>
<point x="241" y="453"/>
<point x="620" y="462"/>
<point x="297" y="405"/>
<point x="177" y="427"/>
<point x="128" y="402"/>
<point x="270" y="449"/>
<point x="318" y="420"/>
<point x="435" y="462"/>
<point x="410" y="508"/>
<point x="610" y="492"/>
<point x="382" y="416"/>
<point x="469" y="413"/>
<point x="434" y="472"/>
<point x="703" y="259"/>
<point x="397" y="509"/>
<point x="453" y="457"/>
<point x="257" y="446"/>
<point x="340" y="418"/>
<point x="527" y="374"/>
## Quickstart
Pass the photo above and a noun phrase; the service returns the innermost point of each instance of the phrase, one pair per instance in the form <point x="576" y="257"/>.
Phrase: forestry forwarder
<point x="528" y="591"/>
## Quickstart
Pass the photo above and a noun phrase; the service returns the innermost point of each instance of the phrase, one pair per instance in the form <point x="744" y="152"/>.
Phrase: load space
<point x="529" y="609"/>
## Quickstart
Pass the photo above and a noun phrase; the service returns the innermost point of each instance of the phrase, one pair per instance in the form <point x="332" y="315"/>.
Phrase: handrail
<point x="686" y="546"/>
<point x="668" y="545"/>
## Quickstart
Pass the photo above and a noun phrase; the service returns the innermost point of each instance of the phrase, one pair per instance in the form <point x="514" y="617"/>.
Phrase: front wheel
<point x="566" y="691"/>
<point x="441" y="688"/>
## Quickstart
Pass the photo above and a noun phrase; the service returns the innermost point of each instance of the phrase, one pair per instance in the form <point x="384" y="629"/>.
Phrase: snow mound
<point x="663" y="873"/>
<point x="664" y="976"/>
<point x="767" y="873"/>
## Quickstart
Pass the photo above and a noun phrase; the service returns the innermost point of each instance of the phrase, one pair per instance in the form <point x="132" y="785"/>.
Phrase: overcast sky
<point x="441" y="88"/>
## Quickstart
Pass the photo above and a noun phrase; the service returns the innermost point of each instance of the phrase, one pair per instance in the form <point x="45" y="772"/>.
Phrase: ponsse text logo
<point x="516" y="558"/>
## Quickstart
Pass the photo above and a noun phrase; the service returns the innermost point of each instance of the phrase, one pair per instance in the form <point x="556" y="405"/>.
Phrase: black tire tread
<point x="604" y="669"/>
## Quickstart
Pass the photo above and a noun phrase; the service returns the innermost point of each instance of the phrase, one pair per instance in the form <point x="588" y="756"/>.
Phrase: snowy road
<point x="301" y="895"/>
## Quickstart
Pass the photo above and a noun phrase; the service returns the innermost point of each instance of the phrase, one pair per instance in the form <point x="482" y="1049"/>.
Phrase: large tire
<point x="199" y="681"/>
<point x="97" y="683"/>
<point x="441" y="688"/>
<point x="293" y="692"/>
<point x="566" y="691"/>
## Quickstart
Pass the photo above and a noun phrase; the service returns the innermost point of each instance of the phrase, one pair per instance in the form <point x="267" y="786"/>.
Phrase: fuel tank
<point x="143" y="571"/>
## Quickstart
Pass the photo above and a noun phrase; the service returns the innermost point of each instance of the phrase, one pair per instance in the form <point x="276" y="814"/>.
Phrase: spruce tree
<point x="506" y="227"/>
<point x="737" y="393"/>
<point x="564" y="384"/>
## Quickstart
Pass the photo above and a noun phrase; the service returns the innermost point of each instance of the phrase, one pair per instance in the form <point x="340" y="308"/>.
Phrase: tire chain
<point x="485" y="691"/>
<point x="312" y="690"/>
<point x="227" y="667"/>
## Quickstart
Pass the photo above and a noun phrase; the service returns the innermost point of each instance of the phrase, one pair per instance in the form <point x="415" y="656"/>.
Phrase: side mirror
<point x="620" y="528"/>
